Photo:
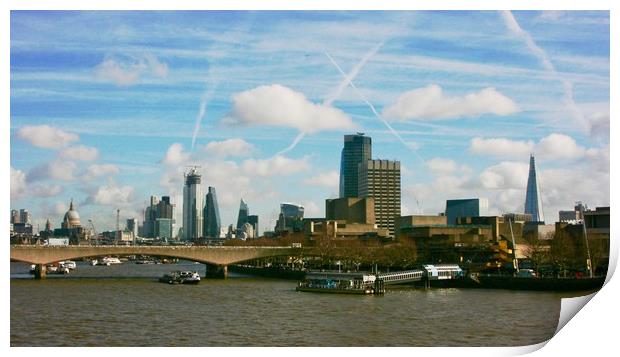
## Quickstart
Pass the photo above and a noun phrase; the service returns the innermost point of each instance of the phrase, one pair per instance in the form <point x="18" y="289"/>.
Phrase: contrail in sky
<point x="513" y="25"/>
<point x="338" y="91"/>
<point x="204" y="100"/>
<point x="372" y="107"/>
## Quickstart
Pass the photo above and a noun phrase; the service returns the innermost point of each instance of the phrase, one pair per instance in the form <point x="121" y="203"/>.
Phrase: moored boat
<point x="341" y="283"/>
<point x="180" y="277"/>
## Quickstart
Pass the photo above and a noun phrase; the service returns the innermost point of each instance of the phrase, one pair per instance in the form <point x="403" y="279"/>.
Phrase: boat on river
<point x="342" y="283"/>
<point x="180" y="277"/>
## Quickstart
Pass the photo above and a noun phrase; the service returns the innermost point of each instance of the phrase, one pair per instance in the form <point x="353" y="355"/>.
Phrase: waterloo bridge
<point x="217" y="258"/>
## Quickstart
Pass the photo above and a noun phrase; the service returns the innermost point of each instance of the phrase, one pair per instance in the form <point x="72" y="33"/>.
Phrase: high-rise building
<point x="15" y="216"/>
<point x="533" y="204"/>
<point x="469" y="207"/>
<point x="132" y="226"/>
<point x="211" y="215"/>
<point x="192" y="205"/>
<point x="165" y="208"/>
<point x="24" y="216"/>
<point x="357" y="150"/>
<point x="290" y="218"/>
<point x="253" y="220"/>
<point x="163" y="228"/>
<point x="380" y="179"/>
<point x="244" y="212"/>
<point x="156" y="209"/>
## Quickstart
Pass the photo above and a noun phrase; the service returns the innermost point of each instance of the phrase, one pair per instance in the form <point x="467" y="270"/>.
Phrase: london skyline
<point x="114" y="113"/>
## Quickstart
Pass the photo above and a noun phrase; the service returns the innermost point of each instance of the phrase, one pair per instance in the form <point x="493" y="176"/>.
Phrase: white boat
<point x="181" y="277"/>
<point x="109" y="261"/>
<point x="69" y="264"/>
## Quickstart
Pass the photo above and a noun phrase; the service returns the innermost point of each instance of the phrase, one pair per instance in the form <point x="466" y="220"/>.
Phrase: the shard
<point x="533" y="204"/>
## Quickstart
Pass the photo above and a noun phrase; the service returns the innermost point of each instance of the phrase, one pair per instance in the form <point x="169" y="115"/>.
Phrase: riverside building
<point x="380" y="179"/>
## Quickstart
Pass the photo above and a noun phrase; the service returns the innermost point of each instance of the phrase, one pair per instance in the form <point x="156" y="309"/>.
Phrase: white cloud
<point x="54" y="170"/>
<point x="558" y="147"/>
<point x="439" y="166"/>
<point x="45" y="136"/>
<point x="552" y="147"/>
<point x="277" y="105"/>
<point x="175" y="155"/>
<point x="18" y="183"/>
<point x="329" y="179"/>
<point x="80" y="152"/>
<point x="599" y="125"/>
<point x="128" y="71"/>
<point x="274" y="166"/>
<point x="430" y="103"/>
<point x="505" y="175"/>
<point x="112" y="195"/>
<point x="501" y="147"/>
<point x="230" y="148"/>
<point x="45" y="190"/>
<point x="98" y="170"/>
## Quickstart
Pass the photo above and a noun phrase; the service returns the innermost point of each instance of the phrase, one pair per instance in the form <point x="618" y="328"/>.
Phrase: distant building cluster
<point x="368" y="208"/>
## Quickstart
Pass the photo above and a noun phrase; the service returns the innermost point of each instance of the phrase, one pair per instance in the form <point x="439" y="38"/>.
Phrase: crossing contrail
<point x="514" y="26"/>
<point x="372" y="108"/>
<point x="338" y="91"/>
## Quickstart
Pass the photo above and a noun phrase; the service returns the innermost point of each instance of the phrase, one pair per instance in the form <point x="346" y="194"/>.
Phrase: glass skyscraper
<point x="211" y="215"/>
<point x="357" y="149"/>
<point x="244" y="212"/>
<point x="192" y="205"/>
<point x="533" y="204"/>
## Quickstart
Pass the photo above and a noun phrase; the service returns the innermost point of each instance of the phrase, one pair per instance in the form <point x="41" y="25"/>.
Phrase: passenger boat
<point x="341" y="283"/>
<point x="180" y="277"/>
<point x="107" y="261"/>
<point x="69" y="264"/>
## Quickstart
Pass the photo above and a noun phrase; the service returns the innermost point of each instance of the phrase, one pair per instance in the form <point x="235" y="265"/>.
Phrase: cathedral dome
<point x="72" y="218"/>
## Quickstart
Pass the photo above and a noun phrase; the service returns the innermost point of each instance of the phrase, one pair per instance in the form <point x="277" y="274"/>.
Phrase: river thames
<point x="124" y="305"/>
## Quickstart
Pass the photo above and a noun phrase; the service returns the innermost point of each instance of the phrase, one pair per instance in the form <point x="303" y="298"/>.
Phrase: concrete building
<point x="380" y="179"/>
<point x="211" y="215"/>
<point x="351" y="210"/>
<point x="470" y="207"/>
<point x="317" y="228"/>
<point x="415" y="221"/>
<point x="357" y="150"/>
<point x="290" y="218"/>
<point x="533" y="203"/>
<point x="192" y="205"/>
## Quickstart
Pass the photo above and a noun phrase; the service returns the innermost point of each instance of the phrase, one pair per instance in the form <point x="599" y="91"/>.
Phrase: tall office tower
<point x="244" y="212"/>
<point x="290" y="218"/>
<point x="212" y="224"/>
<point x="24" y="216"/>
<point x="192" y="205"/>
<point x="165" y="208"/>
<point x="533" y="204"/>
<point x="357" y="150"/>
<point x="15" y="216"/>
<point x="150" y="215"/>
<point x="132" y="226"/>
<point x="467" y="207"/>
<point x="380" y="179"/>
<point x="253" y="220"/>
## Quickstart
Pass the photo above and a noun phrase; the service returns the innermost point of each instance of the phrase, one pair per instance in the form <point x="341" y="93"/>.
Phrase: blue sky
<point x="109" y="107"/>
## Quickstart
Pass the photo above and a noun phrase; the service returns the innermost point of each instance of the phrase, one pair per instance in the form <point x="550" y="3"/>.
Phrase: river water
<point x="124" y="305"/>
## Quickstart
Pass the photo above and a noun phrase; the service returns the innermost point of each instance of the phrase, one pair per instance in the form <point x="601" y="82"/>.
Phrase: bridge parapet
<point x="220" y="255"/>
